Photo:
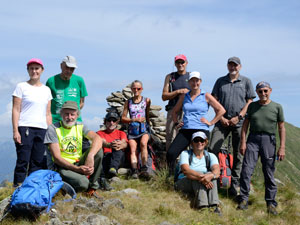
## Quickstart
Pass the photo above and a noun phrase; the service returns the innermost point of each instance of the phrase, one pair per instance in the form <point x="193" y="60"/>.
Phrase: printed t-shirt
<point x="65" y="90"/>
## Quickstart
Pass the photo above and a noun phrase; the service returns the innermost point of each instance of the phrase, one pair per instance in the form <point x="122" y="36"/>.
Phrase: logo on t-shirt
<point x="69" y="145"/>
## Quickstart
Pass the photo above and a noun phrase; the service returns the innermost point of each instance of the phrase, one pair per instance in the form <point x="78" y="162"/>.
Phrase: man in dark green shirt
<point x="264" y="116"/>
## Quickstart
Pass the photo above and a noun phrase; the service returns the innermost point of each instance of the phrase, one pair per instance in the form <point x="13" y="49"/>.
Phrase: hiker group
<point x="49" y="133"/>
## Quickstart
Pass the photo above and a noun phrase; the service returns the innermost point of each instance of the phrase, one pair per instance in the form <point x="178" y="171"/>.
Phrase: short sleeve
<point x="215" y="91"/>
<point x="50" y="136"/>
<point x="184" y="158"/>
<point x="250" y="94"/>
<point x="18" y="91"/>
<point x="123" y="136"/>
<point x="83" y="91"/>
<point x="49" y="93"/>
<point x="280" y="117"/>
<point x="213" y="159"/>
<point x="85" y="130"/>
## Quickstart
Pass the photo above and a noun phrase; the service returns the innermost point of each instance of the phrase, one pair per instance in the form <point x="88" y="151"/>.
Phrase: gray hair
<point x="136" y="81"/>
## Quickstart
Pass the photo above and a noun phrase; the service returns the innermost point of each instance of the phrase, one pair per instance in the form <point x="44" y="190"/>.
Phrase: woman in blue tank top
<point x="195" y="105"/>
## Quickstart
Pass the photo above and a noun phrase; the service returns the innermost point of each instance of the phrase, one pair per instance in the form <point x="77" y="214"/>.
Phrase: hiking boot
<point x="144" y="172"/>
<point x="113" y="172"/>
<point x="243" y="205"/>
<point x="104" y="185"/>
<point x="271" y="209"/>
<point x="134" y="174"/>
<point x="218" y="211"/>
<point x="91" y="192"/>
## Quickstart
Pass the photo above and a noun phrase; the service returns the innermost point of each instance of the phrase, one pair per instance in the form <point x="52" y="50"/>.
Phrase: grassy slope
<point x="289" y="169"/>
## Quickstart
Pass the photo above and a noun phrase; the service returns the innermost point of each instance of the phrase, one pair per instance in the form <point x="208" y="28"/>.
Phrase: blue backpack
<point x="35" y="195"/>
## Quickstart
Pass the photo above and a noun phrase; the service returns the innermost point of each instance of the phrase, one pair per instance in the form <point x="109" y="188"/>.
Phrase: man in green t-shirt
<point x="66" y="86"/>
<point x="264" y="116"/>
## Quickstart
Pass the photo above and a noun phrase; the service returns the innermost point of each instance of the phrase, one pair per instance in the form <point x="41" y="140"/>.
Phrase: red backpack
<point x="225" y="162"/>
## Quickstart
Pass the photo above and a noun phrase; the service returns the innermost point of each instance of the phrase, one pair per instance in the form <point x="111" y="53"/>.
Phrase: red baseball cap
<point x="180" y="56"/>
<point x="34" y="60"/>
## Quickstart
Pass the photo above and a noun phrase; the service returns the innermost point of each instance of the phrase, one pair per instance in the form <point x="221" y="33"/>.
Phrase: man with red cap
<point x="176" y="83"/>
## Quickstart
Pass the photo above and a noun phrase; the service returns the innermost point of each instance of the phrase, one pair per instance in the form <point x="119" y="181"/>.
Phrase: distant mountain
<point x="7" y="160"/>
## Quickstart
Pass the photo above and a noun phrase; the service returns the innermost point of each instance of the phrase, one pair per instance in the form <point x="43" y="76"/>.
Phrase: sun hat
<point x="235" y="60"/>
<point x="35" y="60"/>
<point x="70" y="61"/>
<point x="199" y="134"/>
<point x="195" y="74"/>
<point x="180" y="56"/>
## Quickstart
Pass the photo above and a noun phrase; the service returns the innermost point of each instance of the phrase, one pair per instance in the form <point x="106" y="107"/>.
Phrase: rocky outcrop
<point x="157" y="119"/>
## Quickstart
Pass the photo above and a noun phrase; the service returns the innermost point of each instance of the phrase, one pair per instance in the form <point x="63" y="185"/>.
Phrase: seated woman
<point x="138" y="108"/>
<point x="195" y="105"/>
<point x="199" y="171"/>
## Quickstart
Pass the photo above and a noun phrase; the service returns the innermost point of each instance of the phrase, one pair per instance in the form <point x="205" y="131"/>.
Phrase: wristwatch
<point x="241" y="117"/>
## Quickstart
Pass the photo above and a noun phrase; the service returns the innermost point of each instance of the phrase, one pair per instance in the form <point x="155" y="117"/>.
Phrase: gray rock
<point x="119" y="100"/>
<point x="54" y="221"/>
<point x="67" y="222"/>
<point x="115" y="222"/>
<point x="91" y="203"/>
<point x="114" y="202"/>
<point x="153" y="113"/>
<point x="114" y="104"/>
<point x="155" y="107"/>
<point x="160" y="128"/>
<point x="127" y="89"/>
<point x="118" y="94"/>
<point x="127" y="95"/>
<point x="123" y="171"/>
<point x="80" y="207"/>
<point x="98" y="220"/>
<point x="3" y="204"/>
<point x="130" y="191"/>
<point x="81" y="219"/>
<point x="108" y="98"/>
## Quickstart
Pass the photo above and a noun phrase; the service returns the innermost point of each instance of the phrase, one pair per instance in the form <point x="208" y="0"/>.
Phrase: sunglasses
<point x="197" y="140"/>
<point x="180" y="62"/>
<point x="263" y="91"/>
<point x="112" y="120"/>
<point x="136" y="89"/>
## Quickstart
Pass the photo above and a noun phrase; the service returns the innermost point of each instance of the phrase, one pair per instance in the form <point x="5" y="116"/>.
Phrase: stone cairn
<point x="157" y="121"/>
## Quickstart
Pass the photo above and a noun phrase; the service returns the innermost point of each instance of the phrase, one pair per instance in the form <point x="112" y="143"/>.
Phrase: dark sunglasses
<point x="136" y="89"/>
<point x="197" y="140"/>
<point x="263" y="91"/>
<point x="111" y="120"/>
<point x="180" y="62"/>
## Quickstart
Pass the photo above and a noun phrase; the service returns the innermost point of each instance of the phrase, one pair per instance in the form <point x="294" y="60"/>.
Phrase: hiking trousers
<point x="203" y="196"/>
<point x="112" y="160"/>
<point x="30" y="153"/>
<point x="171" y="130"/>
<point x="218" y="135"/>
<point x="79" y="181"/>
<point x="263" y="145"/>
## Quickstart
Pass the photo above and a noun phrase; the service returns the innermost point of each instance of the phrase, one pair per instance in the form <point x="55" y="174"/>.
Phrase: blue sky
<point x="116" y="42"/>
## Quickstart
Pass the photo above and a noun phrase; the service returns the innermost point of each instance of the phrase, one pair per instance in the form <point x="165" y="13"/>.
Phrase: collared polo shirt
<point x="233" y="95"/>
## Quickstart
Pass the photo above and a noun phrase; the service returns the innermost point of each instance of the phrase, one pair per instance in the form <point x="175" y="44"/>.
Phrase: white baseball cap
<point x="199" y="134"/>
<point x="70" y="61"/>
<point x="195" y="74"/>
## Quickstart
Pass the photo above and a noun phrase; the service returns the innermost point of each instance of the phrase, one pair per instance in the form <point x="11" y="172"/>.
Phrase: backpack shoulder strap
<point x="190" y="156"/>
<point x="207" y="160"/>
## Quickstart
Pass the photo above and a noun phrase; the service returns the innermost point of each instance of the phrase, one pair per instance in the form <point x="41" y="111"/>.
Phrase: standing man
<point x="176" y="83"/>
<point x="234" y="92"/>
<point x="66" y="86"/>
<point x="263" y="116"/>
<point x="64" y="138"/>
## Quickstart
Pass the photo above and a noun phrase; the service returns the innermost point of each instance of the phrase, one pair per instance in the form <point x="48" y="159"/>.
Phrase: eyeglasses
<point x="111" y="120"/>
<point x="136" y="89"/>
<point x="263" y="91"/>
<point x="197" y="140"/>
<point x="180" y="62"/>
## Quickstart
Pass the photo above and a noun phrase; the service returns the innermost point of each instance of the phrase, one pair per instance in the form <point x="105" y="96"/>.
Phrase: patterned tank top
<point x="137" y="110"/>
